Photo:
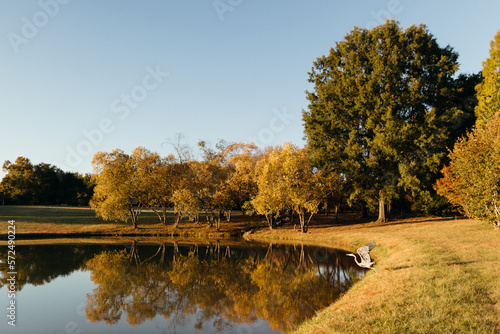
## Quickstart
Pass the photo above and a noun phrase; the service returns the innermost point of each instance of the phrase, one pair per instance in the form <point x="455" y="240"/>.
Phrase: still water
<point x="132" y="287"/>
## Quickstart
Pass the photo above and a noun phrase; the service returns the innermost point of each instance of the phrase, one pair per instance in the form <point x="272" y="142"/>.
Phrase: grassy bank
<point x="434" y="276"/>
<point x="51" y="221"/>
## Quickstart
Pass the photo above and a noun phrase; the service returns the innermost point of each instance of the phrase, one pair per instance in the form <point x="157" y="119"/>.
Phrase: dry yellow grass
<point x="56" y="220"/>
<point x="434" y="276"/>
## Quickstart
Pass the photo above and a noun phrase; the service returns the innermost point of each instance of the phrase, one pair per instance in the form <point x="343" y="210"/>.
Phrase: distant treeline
<point x="43" y="184"/>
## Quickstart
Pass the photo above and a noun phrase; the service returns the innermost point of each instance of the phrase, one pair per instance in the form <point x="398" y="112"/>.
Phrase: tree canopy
<point x="120" y="192"/>
<point x="488" y="91"/>
<point x="43" y="184"/>
<point x="286" y="179"/>
<point x="382" y="111"/>
<point x="471" y="181"/>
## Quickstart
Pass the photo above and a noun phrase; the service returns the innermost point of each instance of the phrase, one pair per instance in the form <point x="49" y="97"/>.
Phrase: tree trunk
<point x="217" y="224"/>
<point x="177" y="219"/>
<point x="163" y="217"/>
<point x="302" y="220"/>
<point x="306" y="228"/>
<point x="337" y="213"/>
<point x="133" y="217"/>
<point x="210" y="219"/>
<point x="382" y="210"/>
<point x="164" y="209"/>
<point x="269" y="218"/>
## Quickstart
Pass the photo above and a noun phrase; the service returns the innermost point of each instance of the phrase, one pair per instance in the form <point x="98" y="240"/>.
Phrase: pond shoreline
<point x="194" y="235"/>
<point x="434" y="274"/>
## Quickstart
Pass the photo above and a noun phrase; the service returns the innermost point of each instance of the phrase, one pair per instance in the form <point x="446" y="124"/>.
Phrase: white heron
<point x="364" y="254"/>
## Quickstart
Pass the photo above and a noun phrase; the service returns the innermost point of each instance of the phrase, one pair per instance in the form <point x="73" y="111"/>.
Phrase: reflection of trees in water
<point x="215" y="283"/>
<point x="41" y="264"/>
<point x="219" y="284"/>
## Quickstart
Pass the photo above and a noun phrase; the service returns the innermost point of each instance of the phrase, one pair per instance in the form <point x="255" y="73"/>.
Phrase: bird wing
<point x="370" y="245"/>
<point x="364" y="251"/>
<point x="365" y="255"/>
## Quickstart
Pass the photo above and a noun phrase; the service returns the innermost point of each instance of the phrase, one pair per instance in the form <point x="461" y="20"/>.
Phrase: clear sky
<point x="82" y="76"/>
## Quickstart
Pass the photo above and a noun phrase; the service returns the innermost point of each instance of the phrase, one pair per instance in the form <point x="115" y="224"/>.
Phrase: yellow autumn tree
<point x="216" y="184"/>
<point x="488" y="91"/>
<point x="286" y="179"/>
<point x="240" y="184"/>
<point x="118" y="193"/>
<point x="472" y="179"/>
<point x="270" y="199"/>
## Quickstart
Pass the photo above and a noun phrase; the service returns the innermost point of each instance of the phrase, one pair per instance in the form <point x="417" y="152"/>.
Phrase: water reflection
<point x="40" y="264"/>
<point x="217" y="285"/>
<point x="203" y="287"/>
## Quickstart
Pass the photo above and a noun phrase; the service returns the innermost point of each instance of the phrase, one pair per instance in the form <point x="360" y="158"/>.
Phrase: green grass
<point x="57" y="214"/>
<point x="53" y="220"/>
<point x="50" y="220"/>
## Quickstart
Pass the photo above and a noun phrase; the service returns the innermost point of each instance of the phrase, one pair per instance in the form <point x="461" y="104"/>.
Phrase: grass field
<point x="434" y="275"/>
<point x="52" y="220"/>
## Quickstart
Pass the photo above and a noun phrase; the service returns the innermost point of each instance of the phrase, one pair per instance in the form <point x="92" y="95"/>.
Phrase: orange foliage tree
<point x="472" y="180"/>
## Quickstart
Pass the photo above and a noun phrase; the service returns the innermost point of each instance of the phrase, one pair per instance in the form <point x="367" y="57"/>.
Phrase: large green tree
<point x="380" y="113"/>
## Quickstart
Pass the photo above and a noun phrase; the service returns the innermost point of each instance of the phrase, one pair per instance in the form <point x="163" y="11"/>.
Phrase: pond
<point x="142" y="287"/>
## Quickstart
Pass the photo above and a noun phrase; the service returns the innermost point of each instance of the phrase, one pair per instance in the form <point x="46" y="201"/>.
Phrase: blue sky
<point x="78" y="77"/>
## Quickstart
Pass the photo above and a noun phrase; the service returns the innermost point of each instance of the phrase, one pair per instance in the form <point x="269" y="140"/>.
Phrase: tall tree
<point x="488" y="91"/>
<point x="287" y="179"/>
<point x="378" y="114"/>
<point x="269" y="199"/>
<point x="472" y="180"/>
<point x="156" y="178"/>
<point x="118" y="193"/>
<point x="43" y="184"/>
<point x="217" y="183"/>
<point x="17" y="185"/>
<point x="241" y="183"/>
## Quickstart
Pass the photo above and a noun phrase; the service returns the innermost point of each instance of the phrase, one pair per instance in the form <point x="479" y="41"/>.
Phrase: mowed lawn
<point x="82" y="220"/>
<point x="62" y="219"/>
<point x="434" y="276"/>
